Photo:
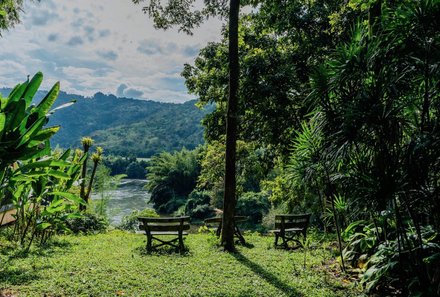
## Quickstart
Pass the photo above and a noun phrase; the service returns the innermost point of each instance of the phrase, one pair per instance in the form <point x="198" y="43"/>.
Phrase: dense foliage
<point x="342" y="100"/>
<point x="36" y="182"/>
<point x="10" y="13"/>
<point x="171" y="177"/>
<point x="130" y="166"/>
<point x="338" y="113"/>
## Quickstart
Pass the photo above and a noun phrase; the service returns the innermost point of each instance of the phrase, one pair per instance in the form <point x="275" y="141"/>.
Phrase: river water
<point x="129" y="196"/>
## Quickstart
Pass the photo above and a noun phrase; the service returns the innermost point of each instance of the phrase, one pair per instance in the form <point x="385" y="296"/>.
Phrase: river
<point x="130" y="195"/>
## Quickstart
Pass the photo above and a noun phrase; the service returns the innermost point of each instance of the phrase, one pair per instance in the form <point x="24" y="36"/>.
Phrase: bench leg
<point x="239" y="235"/>
<point x="149" y="239"/>
<point x="181" y="246"/>
<point x="283" y="237"/>
<point x="276" y="239"/>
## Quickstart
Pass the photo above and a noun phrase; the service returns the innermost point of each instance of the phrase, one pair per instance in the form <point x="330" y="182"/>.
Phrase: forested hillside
<point x="126" y="126"/>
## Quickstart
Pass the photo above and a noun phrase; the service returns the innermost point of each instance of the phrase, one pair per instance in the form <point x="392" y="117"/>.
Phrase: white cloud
<point x="97" y="46"/>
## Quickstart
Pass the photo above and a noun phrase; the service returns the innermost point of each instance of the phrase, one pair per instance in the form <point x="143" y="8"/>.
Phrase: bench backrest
<point x="164" y="224"/>
<point x="287" y="221"/>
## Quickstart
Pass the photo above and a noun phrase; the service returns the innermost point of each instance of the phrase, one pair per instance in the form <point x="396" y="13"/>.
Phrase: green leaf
<point x="19" y="115"/>
<point x="69" y="196"/>
<point x="43" y="135"/>
<point x="65" y="155"/>
<point x="32" y="153"/>
<point x="58" y="174"/>
<point x="33" y="130"/>
<point x="43" y="226"/>
<point x="36" y="164"/>
<point x="32" y="88"/>
<point x="47" y="102"/>
<point x="55" y="206"/>
<point x="2" y="123"/>
<point x="73" y="216"/>
<point x="17" y="92"/>
<point x="24" y="178"/>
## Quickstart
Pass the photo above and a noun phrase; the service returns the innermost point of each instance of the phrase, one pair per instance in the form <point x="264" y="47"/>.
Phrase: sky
<point x="107" y="46"/>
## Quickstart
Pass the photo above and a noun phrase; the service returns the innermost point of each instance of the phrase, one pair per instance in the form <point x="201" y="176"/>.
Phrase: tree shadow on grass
<point x="13" y="275"/>
<point x="266" y="275"/>
<point x="20" y="276"/>
<point x="50" y="249"/>
<point x="162" y="251"/>
<point x="247" y="245"/>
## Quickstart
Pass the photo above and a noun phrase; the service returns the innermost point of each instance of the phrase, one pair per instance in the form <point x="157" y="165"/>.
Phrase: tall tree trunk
<point x="229" y="199"/>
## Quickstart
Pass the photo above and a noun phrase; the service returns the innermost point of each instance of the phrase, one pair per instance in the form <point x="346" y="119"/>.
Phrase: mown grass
<point x="115" y="264"/>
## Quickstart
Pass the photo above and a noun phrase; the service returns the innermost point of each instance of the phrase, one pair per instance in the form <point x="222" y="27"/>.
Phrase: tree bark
<point x="229" y="199"/>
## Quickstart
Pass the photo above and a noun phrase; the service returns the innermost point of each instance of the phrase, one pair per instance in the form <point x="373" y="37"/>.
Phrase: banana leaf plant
<point x="43" y="194"/>
<point x="23" y="135"/>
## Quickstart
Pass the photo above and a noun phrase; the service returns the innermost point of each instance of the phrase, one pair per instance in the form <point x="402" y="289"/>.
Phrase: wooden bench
<point x="219" y="221"/>
<point x="172" y="226"/>
<point x="289" y="227"/>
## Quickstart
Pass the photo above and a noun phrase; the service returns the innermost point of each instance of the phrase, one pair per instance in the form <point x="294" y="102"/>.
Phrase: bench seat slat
<point x="167" y="228"/>
<point x="167" y="233"/>
<point x="164" y="219"/>
<point x="288" y="230"/>
<point x="288" y="225"/>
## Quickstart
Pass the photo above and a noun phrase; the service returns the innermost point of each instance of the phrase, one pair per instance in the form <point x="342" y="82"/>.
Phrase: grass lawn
<point x="115" y="264"/>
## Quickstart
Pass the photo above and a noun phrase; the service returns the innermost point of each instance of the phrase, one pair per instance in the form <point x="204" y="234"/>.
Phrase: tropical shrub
<point x="268" y="221"/>
<point x="42" y="193"/>
<point x="130" y="222"/>
<point x="249" y="170"/>
<point x="22" y="132"/>
<point x="197" y="206"/>
<point x="87" y="223"/>
<point x="36" y="182"/>
<point x="171" y="178"/>
<point x="136" y="170"/>
<point x="253" y="205"/>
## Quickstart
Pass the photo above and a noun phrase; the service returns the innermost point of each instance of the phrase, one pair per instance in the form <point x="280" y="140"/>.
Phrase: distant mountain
<point x="124" y="126"/>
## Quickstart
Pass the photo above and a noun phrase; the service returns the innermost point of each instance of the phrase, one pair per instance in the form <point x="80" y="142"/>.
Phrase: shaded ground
<point x="115" y="264"/>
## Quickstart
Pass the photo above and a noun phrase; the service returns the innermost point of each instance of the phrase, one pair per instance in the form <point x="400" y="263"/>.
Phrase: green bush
<point x="197" y="205"/>
<point x="130" y="222"/>
<point x="88" y="223"/>
<point x="253" y="205"/>
<point x="268" y="221"/>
